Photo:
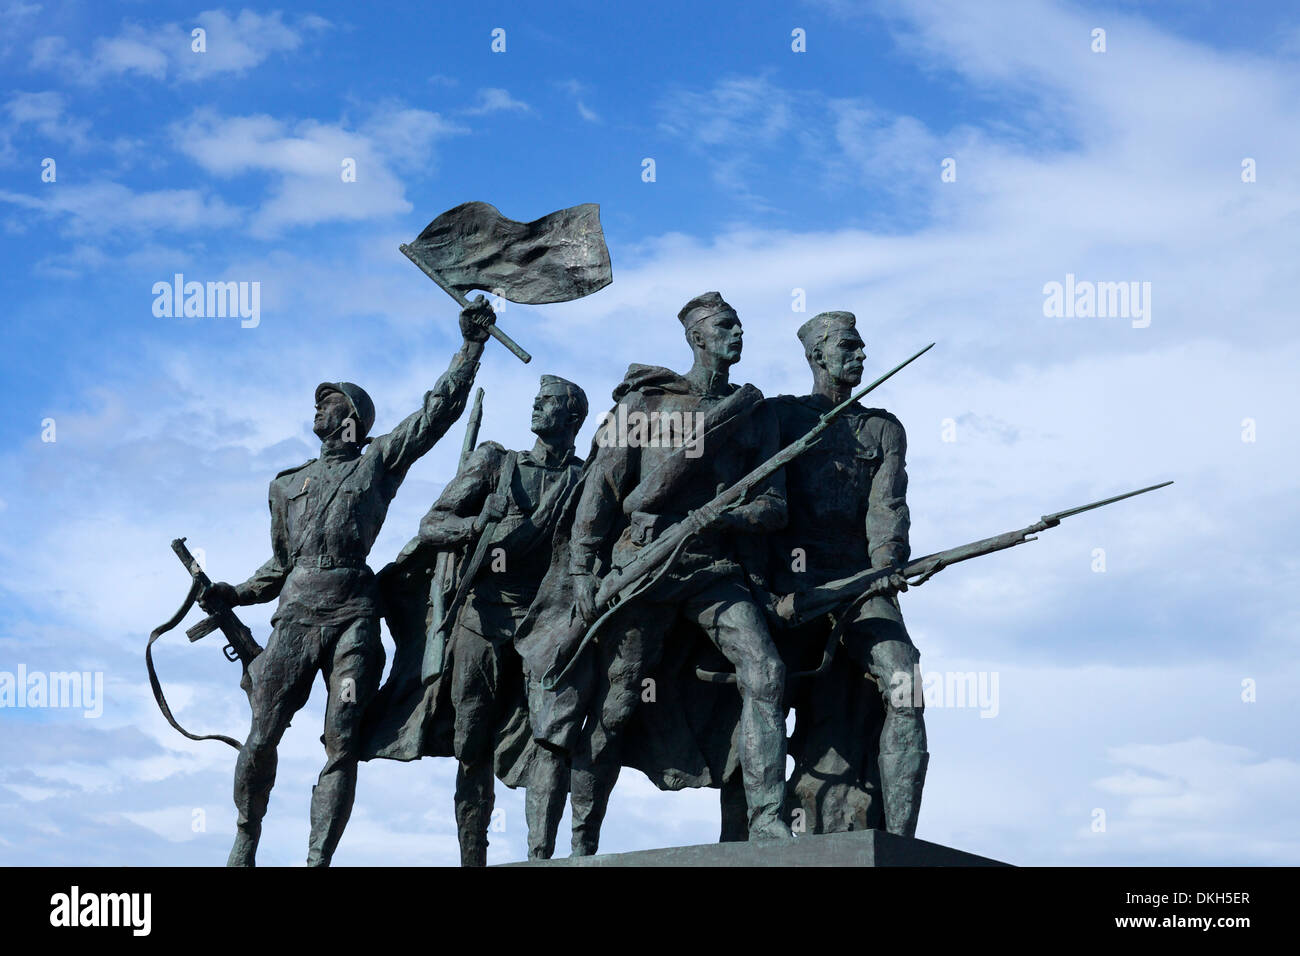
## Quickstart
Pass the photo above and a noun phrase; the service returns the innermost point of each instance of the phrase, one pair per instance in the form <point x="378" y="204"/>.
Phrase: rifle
<point x="842" y="596"/>
<point x="435" y="643"/>
<point x="655" y="559"/>
<point x="241" y="646"/>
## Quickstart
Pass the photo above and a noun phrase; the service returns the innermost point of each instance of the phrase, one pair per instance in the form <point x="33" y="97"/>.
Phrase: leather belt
<point x="326" y="561"/>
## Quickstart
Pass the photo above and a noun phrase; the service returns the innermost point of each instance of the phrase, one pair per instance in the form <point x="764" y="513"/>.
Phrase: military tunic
<point x="486" y="672"/>
<point x="848" y="511"/>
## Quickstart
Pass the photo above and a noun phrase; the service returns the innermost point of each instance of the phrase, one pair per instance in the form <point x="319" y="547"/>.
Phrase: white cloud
<point x="233" y="44"/>
<point x="46" y="113"/>
<point x="495" y="100"/>
<point x="42" y="120"/>
<point x="306" y="160"/>
<point x="580" y="92"/>
<point x="1196" y="795"/>
<point x="737" y="110"/>
<point x="102" y="209"/>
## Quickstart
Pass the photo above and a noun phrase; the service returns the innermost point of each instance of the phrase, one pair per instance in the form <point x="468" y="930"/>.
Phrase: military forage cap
<point x="363" y="409"/>
<point x="577" y="397"/>
<point x="703" y="307"/>
<point x="816" y="330"/>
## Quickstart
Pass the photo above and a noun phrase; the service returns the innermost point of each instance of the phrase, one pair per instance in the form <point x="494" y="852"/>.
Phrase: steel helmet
<point x="363" y="409"/>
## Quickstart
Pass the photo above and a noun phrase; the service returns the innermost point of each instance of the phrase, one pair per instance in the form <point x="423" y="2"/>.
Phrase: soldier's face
<point x="331" y="412"/>
<point x="721" y="336"/>
<point x="843" y="355"/>
<point x="550" y="412"/>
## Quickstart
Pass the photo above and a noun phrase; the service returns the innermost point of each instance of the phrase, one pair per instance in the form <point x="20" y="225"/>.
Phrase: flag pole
<point x="493" y="329"/>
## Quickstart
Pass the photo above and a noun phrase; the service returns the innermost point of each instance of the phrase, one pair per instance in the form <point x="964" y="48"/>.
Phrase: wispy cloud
<point x="41" y="117"/>
<point x="112" y="209"/>
<point x="580" y="93"/>
<point x="231" y="44"/>
<point x="311" y="163"/>
<point x="495" y="100"/>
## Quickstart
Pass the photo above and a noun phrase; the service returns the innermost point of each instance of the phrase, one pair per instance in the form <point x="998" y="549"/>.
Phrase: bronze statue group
<point x="512" y="657"/>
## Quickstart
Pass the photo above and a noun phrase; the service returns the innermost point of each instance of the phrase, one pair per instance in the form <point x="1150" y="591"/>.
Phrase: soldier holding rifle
<point x="325" y="516"/>
<point x="635" y="489"/>
<point x="848" y="511"/>
<point x="498" y="514"/>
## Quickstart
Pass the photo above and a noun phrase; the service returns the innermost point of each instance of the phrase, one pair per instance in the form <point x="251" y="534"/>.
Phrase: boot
<point x="902" y="776"/>
<point x="762" y="760"/>
<point x="473" y="849"/>
<point x="544" y="803"/>
<point x="735" y="815"/>
<point x="475" y="795"/>
<point x="331" y="805"/>
<point x="590" y="799"/>
<point x="244" y="852"/>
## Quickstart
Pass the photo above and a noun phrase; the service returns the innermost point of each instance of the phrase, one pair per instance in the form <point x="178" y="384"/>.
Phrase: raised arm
<point x="443" y="403"/>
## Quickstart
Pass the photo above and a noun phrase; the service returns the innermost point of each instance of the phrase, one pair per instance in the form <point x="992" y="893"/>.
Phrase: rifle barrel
<point x="1105" y="501"/>
<point x="472" y="428"/>
<point x="834" y="594"/>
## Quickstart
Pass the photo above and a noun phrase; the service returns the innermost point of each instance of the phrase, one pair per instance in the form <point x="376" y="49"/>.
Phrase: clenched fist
<point x="474" y="321"/>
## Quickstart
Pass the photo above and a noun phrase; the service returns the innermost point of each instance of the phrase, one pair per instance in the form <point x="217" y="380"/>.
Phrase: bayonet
<point x="842" y="596"/>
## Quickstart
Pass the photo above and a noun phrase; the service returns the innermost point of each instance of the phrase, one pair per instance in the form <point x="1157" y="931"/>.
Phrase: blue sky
<point x="1119" y="690"/>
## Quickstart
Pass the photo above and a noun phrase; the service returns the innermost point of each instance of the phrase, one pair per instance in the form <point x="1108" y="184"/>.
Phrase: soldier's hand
<point x="896" y="582"/>
<point x="494" y="509"/>
<point x="706" y="516"/>
<point x="219" y="597"/>
<point x="584" y="596"/>
<point x="475" y="320"/>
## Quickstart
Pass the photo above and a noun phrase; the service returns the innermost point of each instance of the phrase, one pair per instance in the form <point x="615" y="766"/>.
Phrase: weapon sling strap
<point x="471" y="569"/>
<point x="156" y="685"/>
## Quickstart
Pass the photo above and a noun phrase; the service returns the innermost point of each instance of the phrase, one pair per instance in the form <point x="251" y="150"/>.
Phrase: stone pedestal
<point x="858" y="848"/>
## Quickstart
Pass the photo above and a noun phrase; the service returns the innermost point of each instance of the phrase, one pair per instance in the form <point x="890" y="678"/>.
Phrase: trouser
<point x="630" y="648"/>
<point x="486" y="685"/>
<point x="884" y="650"/>
<point x="351" y="659"/>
